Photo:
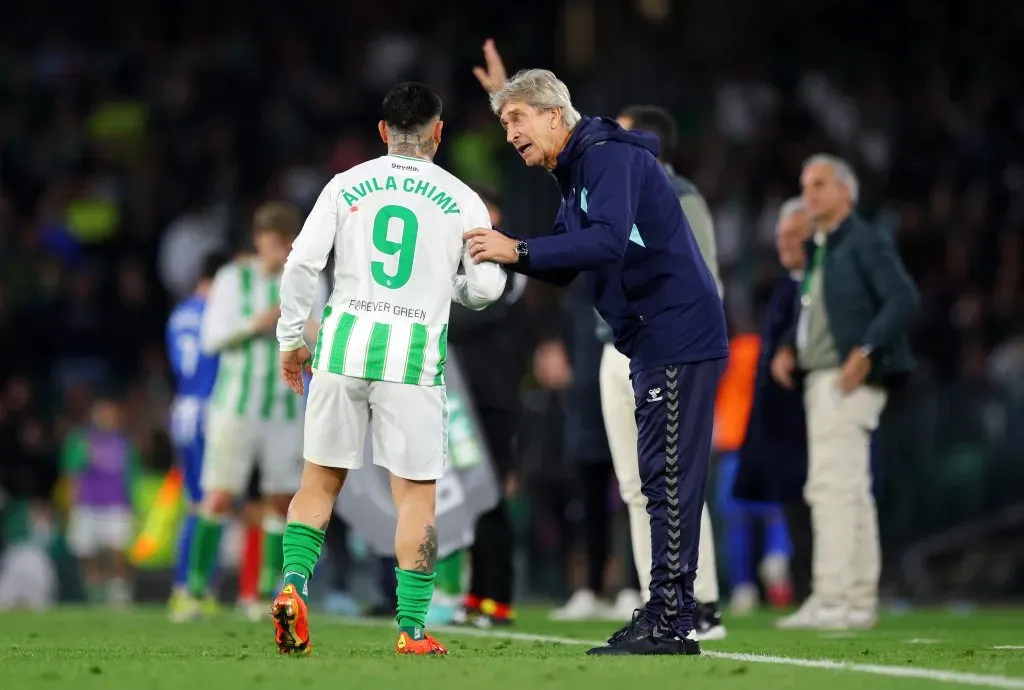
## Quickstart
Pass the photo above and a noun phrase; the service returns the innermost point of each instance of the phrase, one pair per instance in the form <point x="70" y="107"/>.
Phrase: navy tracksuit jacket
<point x="621" y="222"/>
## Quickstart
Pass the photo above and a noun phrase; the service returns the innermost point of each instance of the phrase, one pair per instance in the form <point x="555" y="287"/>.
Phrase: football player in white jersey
<point x="395" y="225"/>
<point x="253" y="416"/>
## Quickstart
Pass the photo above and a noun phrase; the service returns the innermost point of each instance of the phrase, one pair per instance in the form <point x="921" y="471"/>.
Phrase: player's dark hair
<point x="488" y="195"/>
<point x="658" y="122"/>
<point x="212" y="263"/>
<point x="410" y="105"/>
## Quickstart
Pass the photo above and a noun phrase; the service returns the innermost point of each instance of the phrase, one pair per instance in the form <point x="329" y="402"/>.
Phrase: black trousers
<point x="491" y="558"/>
<point x="798" y="519"/>
<point x="675" y="421"/>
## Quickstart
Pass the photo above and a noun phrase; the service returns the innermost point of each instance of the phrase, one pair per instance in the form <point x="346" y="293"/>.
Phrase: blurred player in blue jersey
<point x="194" y="374"/>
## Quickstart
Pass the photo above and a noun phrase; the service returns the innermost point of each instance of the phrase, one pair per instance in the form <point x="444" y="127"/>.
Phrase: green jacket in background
<point x="869" y="296"/>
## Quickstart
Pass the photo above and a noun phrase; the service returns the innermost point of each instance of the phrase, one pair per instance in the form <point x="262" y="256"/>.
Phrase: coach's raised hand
<point x="493" y="77"/>
<point x="293" y="363"/>
<point x="490" y="245"/>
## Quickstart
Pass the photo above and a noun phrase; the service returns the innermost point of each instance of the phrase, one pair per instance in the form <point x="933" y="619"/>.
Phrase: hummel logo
<point x="654" y="395"/>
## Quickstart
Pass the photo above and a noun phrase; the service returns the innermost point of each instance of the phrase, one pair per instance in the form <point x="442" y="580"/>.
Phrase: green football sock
<point x="203" y="555"/>
<point x="300" y="547"/>
<point x="414" y="593"/>
<point x="272" y="557"/>
<point x="449" y="574"/>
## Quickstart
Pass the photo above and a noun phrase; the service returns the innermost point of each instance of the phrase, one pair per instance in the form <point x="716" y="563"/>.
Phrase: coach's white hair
<point x="841" y="169"/>
<point x="789" y="207"/>
<point x="540" y="89"/>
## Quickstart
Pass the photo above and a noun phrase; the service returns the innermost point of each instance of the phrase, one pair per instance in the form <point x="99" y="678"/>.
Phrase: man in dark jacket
<point x="850" y="338"/>
<point x="618" y="403"/>
<point x="620" y="222"/>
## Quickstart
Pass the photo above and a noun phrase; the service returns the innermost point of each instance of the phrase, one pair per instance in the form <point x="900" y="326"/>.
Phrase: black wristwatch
<point x="522" y="251"/>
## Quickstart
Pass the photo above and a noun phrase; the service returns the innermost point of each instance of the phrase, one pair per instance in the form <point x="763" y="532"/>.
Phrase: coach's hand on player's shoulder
<point x="267" y="321"/>
<point x="293" y="363"/>
<point x="490" y="245"/>
<point x="493" y="77"/>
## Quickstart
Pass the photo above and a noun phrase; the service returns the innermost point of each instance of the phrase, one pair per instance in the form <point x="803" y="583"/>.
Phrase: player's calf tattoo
<point x="428" y="551"/>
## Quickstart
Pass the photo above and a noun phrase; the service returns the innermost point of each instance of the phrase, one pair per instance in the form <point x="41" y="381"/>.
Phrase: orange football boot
<point x="291" y="622"/>
<point x="427" y="645"/>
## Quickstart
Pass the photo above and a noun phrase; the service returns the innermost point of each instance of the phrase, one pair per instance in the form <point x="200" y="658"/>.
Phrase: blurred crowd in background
<point x="134" y="139"/>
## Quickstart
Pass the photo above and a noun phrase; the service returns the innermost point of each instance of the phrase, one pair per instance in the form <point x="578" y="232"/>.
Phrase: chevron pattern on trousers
<point x="672" y="592"/>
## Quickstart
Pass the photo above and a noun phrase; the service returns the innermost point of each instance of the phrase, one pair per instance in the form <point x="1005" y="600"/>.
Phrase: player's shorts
<point x="410" y="425"/>
<point x="92" y="530"/>
<point x="235" y="445"/>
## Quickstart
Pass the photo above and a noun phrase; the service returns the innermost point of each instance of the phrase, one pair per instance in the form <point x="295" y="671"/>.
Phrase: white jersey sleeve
<point x="483" y="283"/>
<point x="300" y="280"/>
<point x="224" y="324"/>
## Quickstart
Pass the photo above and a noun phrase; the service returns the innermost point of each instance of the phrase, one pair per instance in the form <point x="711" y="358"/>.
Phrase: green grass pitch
<point x="140" y="650"/>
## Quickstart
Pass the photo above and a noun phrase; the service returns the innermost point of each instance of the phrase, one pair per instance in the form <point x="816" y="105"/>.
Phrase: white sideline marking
<point x="922" y="640"/>
<point x="936" y="675"/>
<point x="1008" y="646"/>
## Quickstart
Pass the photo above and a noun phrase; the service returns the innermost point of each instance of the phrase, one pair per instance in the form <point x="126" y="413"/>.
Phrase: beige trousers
<point x="847" y="555"/>
<point x="618" y="406"/>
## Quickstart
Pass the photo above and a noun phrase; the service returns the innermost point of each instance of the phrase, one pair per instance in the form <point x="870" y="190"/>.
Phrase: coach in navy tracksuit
<point x="620" y="221"/>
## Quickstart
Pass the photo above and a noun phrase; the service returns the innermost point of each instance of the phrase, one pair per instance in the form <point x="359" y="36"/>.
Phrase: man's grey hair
<point x="540" y="89"/>
<point x="789" y="207"/>
<point x="841" y="169"/>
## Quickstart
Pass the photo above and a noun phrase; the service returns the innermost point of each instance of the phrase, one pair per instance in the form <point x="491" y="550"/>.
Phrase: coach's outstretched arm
<point x="300" y="280"/>
<point x="608" y="198"/>
<point x="558" y="276"/>
<point x="484" y="283"/>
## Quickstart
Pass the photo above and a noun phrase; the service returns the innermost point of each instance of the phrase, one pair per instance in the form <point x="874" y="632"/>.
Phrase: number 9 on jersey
<point x="406" y="226"/>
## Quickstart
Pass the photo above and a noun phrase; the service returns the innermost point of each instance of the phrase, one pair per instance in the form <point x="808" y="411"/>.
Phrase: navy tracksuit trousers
<point x="675" y="414"/>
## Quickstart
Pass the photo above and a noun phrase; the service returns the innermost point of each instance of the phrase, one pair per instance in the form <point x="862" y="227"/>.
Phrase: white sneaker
<point x="862" y="619"/>
<point x="627" y="601"/>
<point x="744" y="600"/>
<point x="707" y="621"/>
<point x="582" y="605"/>
<point x="812" y="616"/>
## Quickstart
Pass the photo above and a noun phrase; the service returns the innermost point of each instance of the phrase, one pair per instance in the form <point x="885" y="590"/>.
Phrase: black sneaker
<point x="638" y="638"/>
<point x="707" y="621"/>
<point x="636" y="624"/>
